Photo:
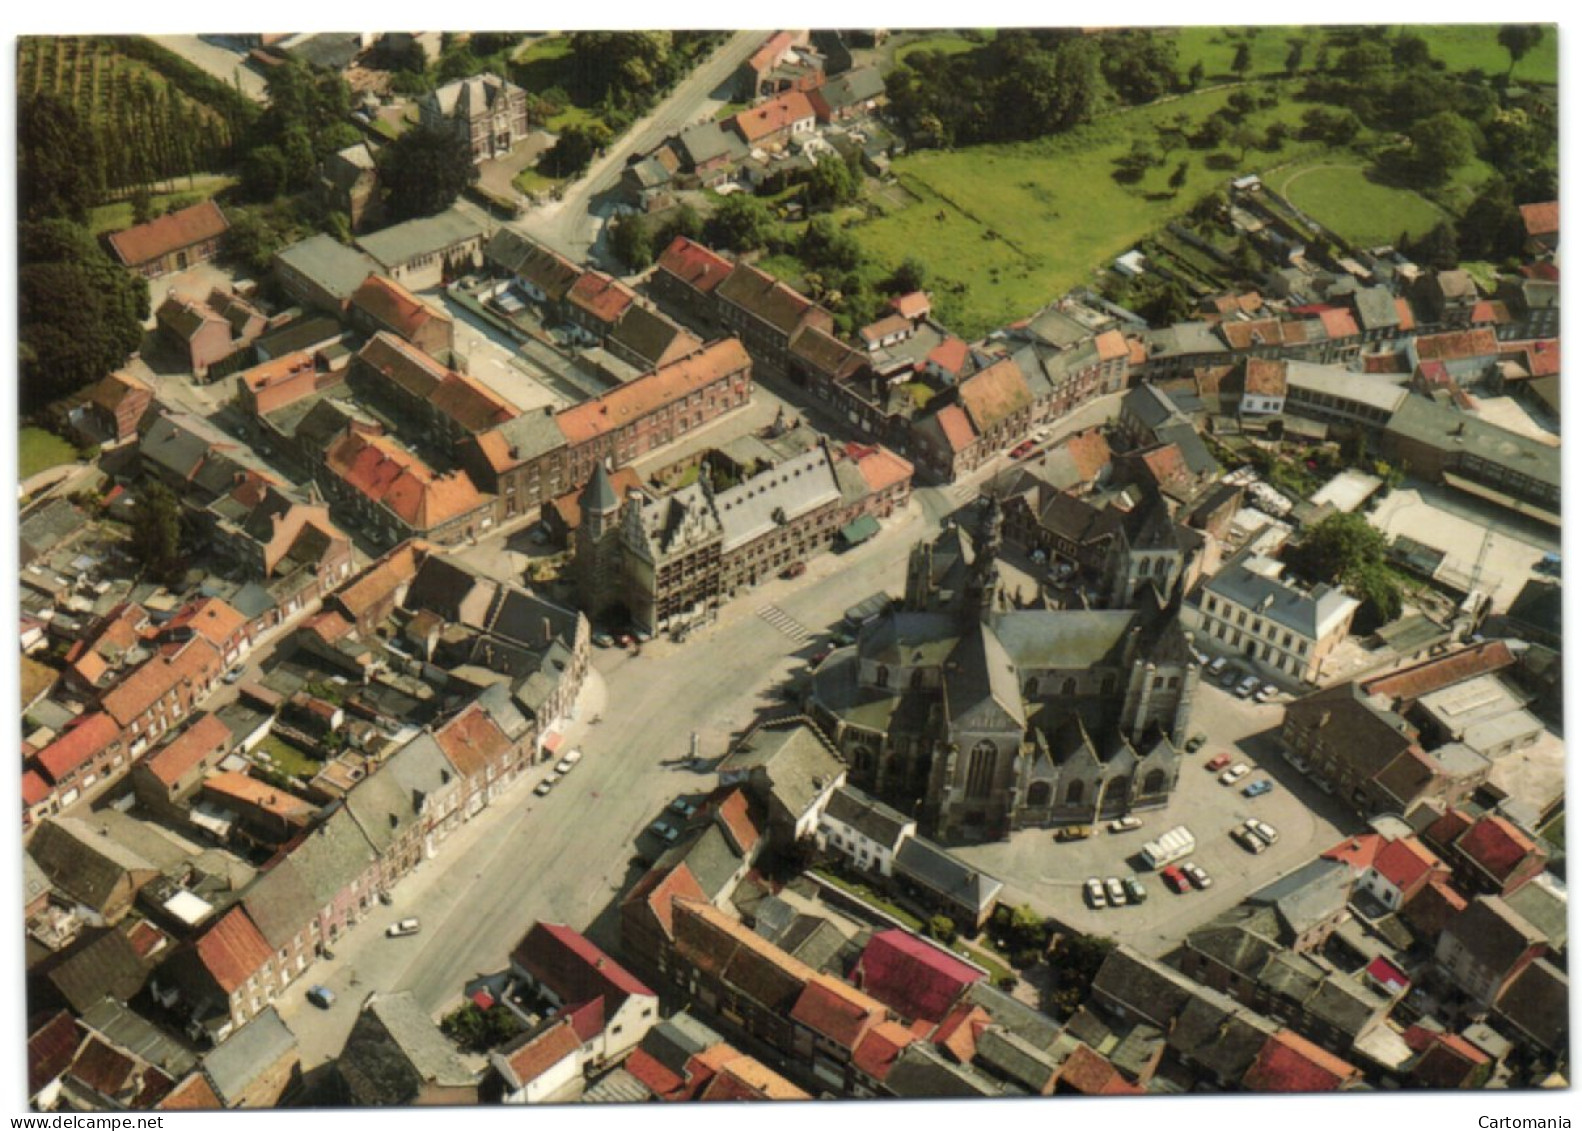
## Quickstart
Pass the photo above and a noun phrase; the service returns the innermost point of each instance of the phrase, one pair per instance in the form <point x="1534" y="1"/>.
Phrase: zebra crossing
<point x="784" y="622"/>
<point x="962" y="492"/>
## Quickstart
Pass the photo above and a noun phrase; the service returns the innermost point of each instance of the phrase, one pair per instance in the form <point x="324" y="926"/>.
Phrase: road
<point x="565" y="857"/>
<point x="569" y="224"/>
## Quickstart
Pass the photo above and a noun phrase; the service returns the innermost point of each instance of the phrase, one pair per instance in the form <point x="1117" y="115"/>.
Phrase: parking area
<point x="1050" y="875"/>
<point x="1456" y="524"/>
<point x="493" y="359"/>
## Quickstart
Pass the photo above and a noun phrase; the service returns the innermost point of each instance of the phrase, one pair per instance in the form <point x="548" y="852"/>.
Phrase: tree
<point x="1518" y="40"/>
<point x="1243" y="137"/>
<point x="575" y="148"/>
<point x="1293" y="57"/>
<point x="79" y="313"/>
<point x="142" y="205"/>
<point x="423" y="171"/>
<point x="156" y="531"/>
<point x="829" y="184"/>
<point x="633" y="242"/>
<point x="1179" y="177"/>
<point x="942" y="928"/>
<point x="909" y="276"/>
<point x="1345" y="550"/>
<point x="1140" y="66"/>
<point x="1438" y="248"/>
<point x="825" y="247"/>
<point x="1491" y="227"/>
<point x="1440" y="146"/>
<point x="741" y="223"/>
<point x="1243" y="59"/>
<point x="1195" y="75"/>
<point x="1074" y="962"/>
<point x="1410" y="50"/>
<point x="59" y="165"/>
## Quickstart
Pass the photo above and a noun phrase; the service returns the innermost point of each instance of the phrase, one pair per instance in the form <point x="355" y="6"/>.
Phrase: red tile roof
<point x="1405" y="319"/>
<point x="779" y="113"/>
<point x="915" y="304"/>
<point x="960" y="1029"/>
<point x="472" y="741"/>
<point x="993" y="394"/>
<point x="1541" y="219"/>
<point x="1495" y="845"/>
<point x="382" y="470"/>
<point x="835" y="1010"/>
<point x="393" y="306"/>
<point x="1111" y="345"/>
<point x="50" y="1050"/>
<point x="601" y="296"/>
<point x="380" y="580"/>
<point x="232" y="950"/>
<point x="1087" y="1072"/>
<point x="950" y="355"/>
<point x="587" y="1020"/>
<point x="884" y="327"/>
<point x="192" y="1094"/>
<point x="228" y="785"/>
<point x="197" y="662"/>
<point x="1338" y="323"/>
<point x="574" y="969"/>
<point x="772" y="51"/>
<point x="1457" y="345"/>
<point x="956" y="428"/>
<point x="1411" y="684"/>
<point x="34" y="788"/>
<point x="537" y="1055"/>
<point x="1490" y="312"/>
<point x="665" y="1084"/>
<point x="692" y="263"/>
<point x="1543" y="357"/>
<point x="911" y="976"/>
<point x="659" y="890"/>
<point x="882" y="469"/>
<point x="1090" y="452"/>
<point x="648" y="394"/>
<point x="1289" y="1063"/>
<point x="876" y="1053"/>
<point x="1388" y="975"/>
<point x="1433" y="908"/>
<point x="102" y="1069"/>
<point x="79" y="745"/>
<point x="1358" y="853"/>
<point x="1445" y="828"/>
<point x="1405" y="862"/>
<point x="170" y="762"/>
<point x="738" y="823"/>
<point x="149" y="241"/>
<point x="215" y="620"/>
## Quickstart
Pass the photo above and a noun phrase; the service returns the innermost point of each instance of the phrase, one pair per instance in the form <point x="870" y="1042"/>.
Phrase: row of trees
<point x="306" y="120"/>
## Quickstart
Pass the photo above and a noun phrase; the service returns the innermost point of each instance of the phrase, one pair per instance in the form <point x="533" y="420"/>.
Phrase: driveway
<point x="1050" y="875"/>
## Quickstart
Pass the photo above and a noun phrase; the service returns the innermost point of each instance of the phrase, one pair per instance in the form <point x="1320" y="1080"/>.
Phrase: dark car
<point x="1195" y="743"/>
<point x="321" y="996"/>
<point x="795" y="569"/>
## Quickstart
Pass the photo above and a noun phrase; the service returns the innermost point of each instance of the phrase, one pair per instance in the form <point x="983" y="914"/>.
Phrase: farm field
<point x="1035" y="218"/>
<point x="1344" y="200"/>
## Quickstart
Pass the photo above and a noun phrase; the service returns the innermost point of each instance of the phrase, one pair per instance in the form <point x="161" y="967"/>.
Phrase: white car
<point x="1248" y="840"/>
<point x="1263" y="831"/>
<point x="402" y="929"/>
<point x="1117" y="893"/>
<point x="563" y="766"/>
<point x="1235" y="774"/>
<point x="543" y="787"/>
<point x="1198" y="876"/>
<point x="1094" y="891"/>
<point x="1125" y="824"/>
<point x="1266" y="693"/>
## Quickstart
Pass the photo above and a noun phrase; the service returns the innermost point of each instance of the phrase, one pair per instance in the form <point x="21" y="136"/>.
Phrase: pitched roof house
<point x="173" y="242"/>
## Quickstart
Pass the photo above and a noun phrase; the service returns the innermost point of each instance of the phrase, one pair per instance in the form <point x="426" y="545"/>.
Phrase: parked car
<point x="1218" y="762"/>
<point x="1175" y="879"/>
<point x="234" y="674"/>
<point x="642" y="637"/>
<point x="543" y="787"/>
<point x="1199" y="878"/>
<point x="683" y="808"/>
<point x="1218" y="666"/>
<point x="321" y="996"/>
<point x="1244" y="837"/>
<point x="1247" y="686"/>
<point x="1195" y="743"/>
<point x="842" y="639"/>
<point x="1258" y="788"/>
<point x="795" y="569"/>
<point x="1094" y="892"/>
<point x="1023" y="448"/>
<point x="1135" y="892"/>
<point x="563" y="767"/>
<point x="1113" y="889"/>
<point x="402" y="929"/>
<point x="1073" y="832"/>
<point x="604" y="639"/>
<point x="666" y="832"/>
<point x="1264" y="832"/>
<point x="1125" y="824"/>
<point x="1231" y="677"/>
<point x="1266" y="693"/>
<point x="1040" y="435"/>
<point x="1235" y="774"/>
<point x="819" y="657"/>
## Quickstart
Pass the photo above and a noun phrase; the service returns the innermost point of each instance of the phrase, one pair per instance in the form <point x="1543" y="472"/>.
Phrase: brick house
<point x="771" y="124"/>
<point x="158" y="696"/>
<point x="558" y="963"/>
<point x="206" y="333"/>
<point x="113" y="409"/>
<point x="766" y="314"/>
<point x="686" y="277"/>
<point x="1486" y="947"/>
<point x="173" y="242"/>
<point x="487" y="110"/>
<point x="522" y="462"/>
<point x="396" y="496"/>
<point x="380" y="304"/>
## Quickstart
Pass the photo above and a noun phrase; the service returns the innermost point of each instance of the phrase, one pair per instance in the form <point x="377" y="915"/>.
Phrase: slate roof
<point x="703" y="143"/>
<point x="921" y="1072"/>
<point x="394" y="1050"/>
<point x="927" y="864"/>
<point x="792" y="756"/>
<point x="869" y="816"/>
<point x="1493" y="934"/>
<point x="764" y="296"/>
<point x="544" y="267"/>
<point x="237" y="1062"/>
<point x="81" y="863"/>
<point x="330" y="264"/>
<point x="772" y="498"/>
<point x="110" y="966"/>
<point x="1312" y="614"/>
<point x="428" y="235"/>
<point x="1536" y="1003"/>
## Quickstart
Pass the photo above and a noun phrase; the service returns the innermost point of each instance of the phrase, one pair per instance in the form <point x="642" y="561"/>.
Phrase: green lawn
<point x="1003" y="229"/>
<point x="118" y="215"/>
<point x="867" y="895"/>
<point x="1461" y="47"/>
<point x="38" y="450"/>
<point x="531" y="181"/>
<point x="288" y="759"/>
<point x="547" y="63"/>
<point x="944" y="41"/>
<point x="1343" y="199"/>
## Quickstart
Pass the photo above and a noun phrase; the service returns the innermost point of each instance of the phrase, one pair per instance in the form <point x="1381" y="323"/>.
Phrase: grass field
<point x="547" y="63"/>
<point x="946" y="42"/>
<point x="118" y="214"/>
<point x="1344" y="200"/>
<point x="38" y="450"/>
<point x="288" y="759"/>
<point x="1461" y="47"/>
<point x="1004" y="229"/>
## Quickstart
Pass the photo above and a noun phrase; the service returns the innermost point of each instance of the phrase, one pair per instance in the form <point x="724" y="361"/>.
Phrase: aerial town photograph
<point x="658" y="566"/>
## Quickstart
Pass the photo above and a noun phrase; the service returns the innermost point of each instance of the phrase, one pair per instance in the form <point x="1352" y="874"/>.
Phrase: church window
<point x="1154" y="782"/>
<point x="1038" y="794"/>
<point x="883" y="676"/>
<point x="980" y="770"/>
<point x="1074" y="793"/>
<point x="1069" y="687"/>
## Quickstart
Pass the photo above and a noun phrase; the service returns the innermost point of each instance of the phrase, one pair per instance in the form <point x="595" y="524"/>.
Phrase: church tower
<point x="598" y="545"/>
